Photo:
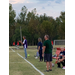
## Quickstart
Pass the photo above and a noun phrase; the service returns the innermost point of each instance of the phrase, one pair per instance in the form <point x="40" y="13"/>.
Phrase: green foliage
<point x="61" y="28"/>
<point x="12" y="15"/>
<point x="34" y="26"/>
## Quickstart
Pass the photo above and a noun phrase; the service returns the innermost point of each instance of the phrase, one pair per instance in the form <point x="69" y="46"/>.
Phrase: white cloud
<point x="18" y="1"/>
<point x="53" y="10"/>
<point x="51" y="7"/>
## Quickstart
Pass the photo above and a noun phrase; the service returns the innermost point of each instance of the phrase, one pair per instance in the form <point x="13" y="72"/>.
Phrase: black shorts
<point x="48" y="57"/>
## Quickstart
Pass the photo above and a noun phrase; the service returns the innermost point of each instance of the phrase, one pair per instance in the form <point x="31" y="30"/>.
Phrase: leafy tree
<point x="61" y="28"/>
<point x="22" y="15"/>
<point x="34" y="25"/>
<point x="33" y="29"/>
<point x="12" y="15"/>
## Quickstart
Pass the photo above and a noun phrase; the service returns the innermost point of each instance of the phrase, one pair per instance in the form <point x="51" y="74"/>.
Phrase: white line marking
<point x="16" y="47"/>
<point x="31" y="64"/>
<point x="12" y="49"/>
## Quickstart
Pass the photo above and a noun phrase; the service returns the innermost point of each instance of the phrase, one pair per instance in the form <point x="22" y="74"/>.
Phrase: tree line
<point x="34" y="26"/>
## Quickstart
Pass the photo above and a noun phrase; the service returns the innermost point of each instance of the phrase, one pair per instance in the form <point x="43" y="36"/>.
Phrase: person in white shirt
<point x="24" y="43"/>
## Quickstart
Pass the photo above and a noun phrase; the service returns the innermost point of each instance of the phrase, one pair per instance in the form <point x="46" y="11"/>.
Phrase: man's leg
<point x="50" y="63"/>
<point x="25" y="53"/>
<point x="58" y="64"/>
<point x="63" y="63"/>
<point x="42" y="58"/>
<point x="24" y="50"/>
<point x="47" y="64"/>
<point x="40" y="55"/>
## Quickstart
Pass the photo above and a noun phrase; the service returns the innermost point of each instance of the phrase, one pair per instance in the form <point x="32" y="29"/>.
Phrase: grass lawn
<point x="18" y="66"/>
<point x="54" y="46"/>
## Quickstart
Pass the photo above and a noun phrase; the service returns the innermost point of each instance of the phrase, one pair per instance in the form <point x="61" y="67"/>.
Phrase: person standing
<point x="24" y="43"/>
<point x="47" y="53"/>
<point x="40" y="48"/>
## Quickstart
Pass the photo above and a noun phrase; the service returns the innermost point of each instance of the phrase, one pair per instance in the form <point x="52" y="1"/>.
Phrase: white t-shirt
<point x="24" y="43"/>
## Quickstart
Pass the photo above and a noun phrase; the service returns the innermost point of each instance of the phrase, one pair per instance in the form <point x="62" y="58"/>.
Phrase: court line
<point x="16" y="47"/>
<point x="29" y="63"/>
<point x="12" y="49"/>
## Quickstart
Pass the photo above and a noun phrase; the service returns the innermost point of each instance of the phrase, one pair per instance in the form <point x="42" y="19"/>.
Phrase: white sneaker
<point x="63" y="68"/>
<point x="24" y="58"/>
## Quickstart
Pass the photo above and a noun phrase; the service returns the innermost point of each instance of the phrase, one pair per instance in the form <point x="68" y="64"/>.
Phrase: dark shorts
<point x="48" y="57"/>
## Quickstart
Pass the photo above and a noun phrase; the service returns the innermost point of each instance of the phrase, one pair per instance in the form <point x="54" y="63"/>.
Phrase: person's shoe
<point x="46" y="71"/>
<point x="58" y="67"/>
<point x="63" y="68"/>
<point x="50" y="69"/>
<point x="24" y="58"/>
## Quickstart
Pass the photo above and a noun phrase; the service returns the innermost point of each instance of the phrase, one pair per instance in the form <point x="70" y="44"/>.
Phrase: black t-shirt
<point x="40" y="44"/>
<point x="61" y="53"/>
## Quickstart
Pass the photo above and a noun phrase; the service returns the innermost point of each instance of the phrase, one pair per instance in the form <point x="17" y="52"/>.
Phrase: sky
<point x="50" y="7"/>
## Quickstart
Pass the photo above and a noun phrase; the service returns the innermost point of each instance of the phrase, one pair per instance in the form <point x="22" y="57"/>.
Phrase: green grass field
<point x="18" y="66"/>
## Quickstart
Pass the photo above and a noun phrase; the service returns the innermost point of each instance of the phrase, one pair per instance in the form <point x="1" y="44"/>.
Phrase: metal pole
<point x="20" y="33"/>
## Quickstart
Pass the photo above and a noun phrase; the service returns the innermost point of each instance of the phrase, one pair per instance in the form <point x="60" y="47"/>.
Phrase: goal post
<point x="59" y="42"/>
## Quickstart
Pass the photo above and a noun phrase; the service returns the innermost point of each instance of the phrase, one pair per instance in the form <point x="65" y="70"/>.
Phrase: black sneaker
<point x="50" y="69"/>
<point x="46" y="71"/>
<point x="58" y="67"/>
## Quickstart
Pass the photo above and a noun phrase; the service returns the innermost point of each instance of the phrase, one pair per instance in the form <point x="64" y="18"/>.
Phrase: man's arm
<point x="62" y="59"/>
<point x="21" y="42"/>
<point x="44" y="47"/>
